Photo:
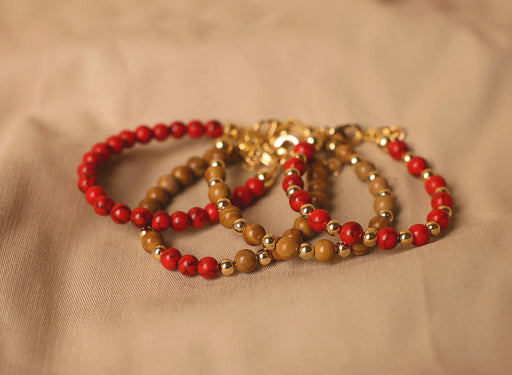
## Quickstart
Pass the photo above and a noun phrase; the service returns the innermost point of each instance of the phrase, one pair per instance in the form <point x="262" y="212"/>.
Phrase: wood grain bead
<point x="214" y="154"/>
<point x="218" y="191"/>
<point x="318" y="173"/>
<point x="287" y="247"/>
<point x="344" y="152"/>
<point x="151" y="204"/>
<point x="159" y="194"/>
<point x="151" y="239"/>
<point x="228" y="216"/>
<point x="378" y="184"/>
<point x="378" y="222"/>
<point x="363" y="168"/>
<point x="382" y="203"/>
<point x="197" y="165"/>
<point x="184" y="175"/>
<point x="325" y="250"/>
<point x="318" y="199"/>
<point x="214" y="172"/>
<point x="302" y="224"/>
<point x="318" y="185"/>
<point x="360" y="249"/>
<point x="170" y="184"/>
<point x="295" y="234"/>
<point x="253" y="234"/>
<point x="246" y="261"/>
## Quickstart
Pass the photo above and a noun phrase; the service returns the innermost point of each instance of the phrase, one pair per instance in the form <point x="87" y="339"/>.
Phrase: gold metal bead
<point x="373" y="175"/>
<point x="269" y="241"/>
<point x="263" y="257"/>
<point x="343" y="250"/>
<point x="442" y="189"/>
<point x="223" y="143"/>
<point x="263" y="174"/>
<point x="405" y="238"/>
<point x="385" y="192"/>
<point x="306" y="209"/>
<point x="222" y="204"/>
<point x="306" y="251"/>
<point x="239" y="225"/>
<point x="387" y="214"/>
<point x="370" y="237"/>
<point x="227" y="268"/>
<point x="316" y="142"/>
<point x="214" y="181"/>
<point x="332" y="144"/>
<point x="291" y="171"/>
<point x="406" y="157"/>
<point x="446" y="209"/>
<point x="382" y="142"/>
<point x="292" y="189"/>
<point x="301" y="157"/>
<point x="157" y="252"/>
<point x="144" y="231"/>
<point x="426" y="174"/>
<point x="333" y="227"/>
<point x="217" y="163"/>
<point x="231" y="129"/>
<point x="434" y="228"/>
<point x="354" y="159"/>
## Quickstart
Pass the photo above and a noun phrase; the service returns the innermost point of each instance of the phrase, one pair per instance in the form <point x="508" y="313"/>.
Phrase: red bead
<point x="198" y="217"/>
<point x="441" y="217"/>
<point x="141" y="217"/>
<point x="242" y="196"/>
<point x="143" y="134"/>
<point x="305" y="148"/>
<point x="386" y="238"/>
<point x="161" y="221"/>
<point x="179" y="221"/>
<point x="161" y="132"/>
<point x="298" y="199"/>
<point x="208" y="268"/>
<point x="256" y="186"/>
<point x="318" y="219"/>
<point x="93" y="192"/>
<point x="351" y="233"/>
<point x="441" y="199"/>
<point x="433" y="183"/>
<point x="103" y="205"/>
<point x="195" y="129"/>
<point x="214" y="129"/>
<point x="397" y="149"/>
<point x="416" y="165"/>
<point x="102" y="150"/>
<point x="178" y="129"/>
<point x="92" y="158"/>
<point x="128" y="138"/>
<point x="87" y="170"/>
<point x="120" y="213"/>
<point x="295" y="163"/>
<point x="212" y="212"/>
<point x="187" y="265"/>
<point x="115" y="143"/>
<point x="292" y="179"/>
<point x="170" y="258"/>
<point x="420" y="233"/>
<point x="85" y="183"/>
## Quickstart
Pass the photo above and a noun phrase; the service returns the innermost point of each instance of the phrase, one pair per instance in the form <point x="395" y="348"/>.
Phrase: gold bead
<point x="144" y="231"/>
<point x="306" y="251"/>
<point x="446" y="209"/>
<point x="291" y="171"/>
<point x="434" y="228"/>
<point x="223" y="143"/>
<point x="333" y="227"/>
<point x="385" y="192"/>
<point x="263" y="174"/>
<point x="426" y="174"/>
<point x="406" y="158"/>
<point x="373" y="175"/>
<point x="354" y="159"/>
<point x="263" y="257"/>
<point x="370" y="237"/>
<point x="343" y="250"/>
<point x="214" y="181"/>
<point x="382" y="142"/>
<point x="269" y="241"/>
<point x="301" y="157"/>
<point x="157" y="252"/>
<point x="222" y="204"/>
<point x="306" y="209"/>
<point x="292" y="189"/>
<point x="231" y="129"/>
<point x="227" y="267"/>
<point x="217" y="163"/>
<point x="442" y="189"/>
<point x="405" y="238"/>
<point x="239" y="225"/>
<point x="332" y="144"/>
<point x="387" y="214"/>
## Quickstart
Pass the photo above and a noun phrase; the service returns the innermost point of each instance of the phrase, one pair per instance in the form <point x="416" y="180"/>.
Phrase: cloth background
<point x="78" y="295"/>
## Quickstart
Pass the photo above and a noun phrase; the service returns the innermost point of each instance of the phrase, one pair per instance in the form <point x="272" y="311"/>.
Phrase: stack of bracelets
<point x="269" y="148"/>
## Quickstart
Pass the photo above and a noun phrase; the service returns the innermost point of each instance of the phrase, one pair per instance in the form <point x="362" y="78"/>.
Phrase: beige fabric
<point x="79" y="296"/>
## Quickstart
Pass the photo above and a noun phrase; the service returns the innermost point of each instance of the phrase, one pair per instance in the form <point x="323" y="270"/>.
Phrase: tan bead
<point x="378" y="184"/>
<point x="214" y="154"/>
<point x="383" y="203"/>
<point x="144" y="231"/>
<point x="287" y="247"/>
<point x="151" y="204"/>
<point x="214" y="173"/>
<point x="274" y="255"/>
<point x="325" y="250"/>
<point x="218" y="191"/>
<point x="378" y="222"/>
<point x="318" y="185"/>
<point x="344" y="152"/>
<point x="405" y="238"/>
<point x="333" y="227"/>
<point x="157" y="252"/>
<point x="227" y="268"/>
<point x="228" y="216"/>
<point x="388" y="214"/>
<point x="169" y="183"/>
<point x="151" y="239"/>
<point x="343" y="250"/>
<point x="434" y="228"/>
<point x="446" y="209"/>
<point x="197" y="165"/>
<point x="306" y="209"/>
<point x="239" y="225"/>
<point x="302" y="224"/>
<point x="426" y="174"/>
<point x="295" y="234"/>
<point x="264" y="257"/>
<point x="253" y="234"/>
<point x="184" y="175"/>
<point x="370" y="237"/>
<point x="363" y="168"/>
<point x="360" y="249"/>
<point x="318" y="173"/>
<point x="306" y="251"/>
<point x="318" y="199"/>
<point x="158" y="194"/>
<point x="246" y="261"/>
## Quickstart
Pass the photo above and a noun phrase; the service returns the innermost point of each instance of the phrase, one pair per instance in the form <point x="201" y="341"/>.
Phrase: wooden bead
<point x="228" y="216"/>
<point x="318" y="173"/>
<point x="363" y="168"/>
<point x="151" y="239"/>
<point x="253" y="234"/>
<point x="214" y="172"/>
<point x="378" y="184"/>
<point x="151" y="204"/>
<point x="319" y="199"/>
<point x="360" y="249"/>
<point x="344" y="152"/>
<point x="325" y="250"/>
<point x="302" y="224"/>
<point x="184" y="175"/>
<point x="318" y="185"/>
<point x="382" y="203"/>
<point x="170" y="184"/>
<point x="158" y="194"/>
<point x="214" y="154"/>
<point x="378" y="222"/>
<point x="197" y="165"/>
<point x="295" y="234"/>
<point x="287" y="247"/>
<point x="246" y="261"/>
<point x="218" y="191"/>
